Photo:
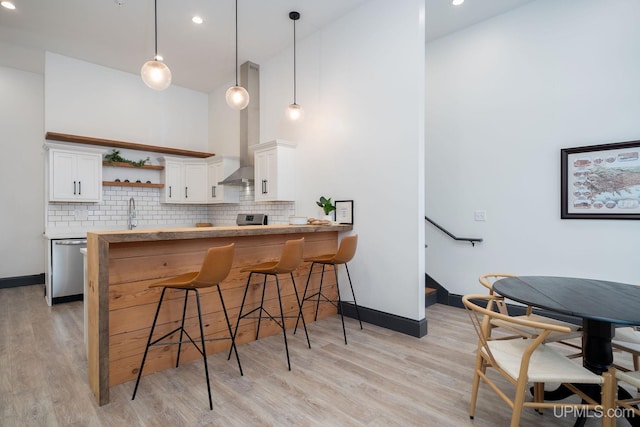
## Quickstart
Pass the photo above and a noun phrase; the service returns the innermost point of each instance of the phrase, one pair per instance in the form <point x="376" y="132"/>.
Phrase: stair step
<point x="430" y="296"/>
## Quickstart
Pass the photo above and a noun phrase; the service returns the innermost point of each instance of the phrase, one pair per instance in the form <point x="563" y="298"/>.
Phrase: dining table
<point x="601" y="305"/>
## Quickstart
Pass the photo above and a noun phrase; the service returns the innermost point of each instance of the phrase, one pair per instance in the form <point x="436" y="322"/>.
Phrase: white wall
<point x="91" y="100"/>
<point x="503" y="97"/>
<point x="361" y="84"/>
<point x="21" y="173"/>
<point x="224" y="124"/>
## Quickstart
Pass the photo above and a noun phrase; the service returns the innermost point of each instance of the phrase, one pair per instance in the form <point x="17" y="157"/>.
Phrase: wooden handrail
<point x="472" y="240"/>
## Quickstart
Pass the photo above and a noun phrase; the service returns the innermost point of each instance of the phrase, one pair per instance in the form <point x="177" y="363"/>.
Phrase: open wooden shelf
<point x="131" y="184"/>
<point x="128" y="165"/>
<point x="53" y="136"/>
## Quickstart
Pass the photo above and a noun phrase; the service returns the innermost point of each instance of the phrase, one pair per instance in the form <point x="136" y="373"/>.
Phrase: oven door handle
<point x="71" y="242"/>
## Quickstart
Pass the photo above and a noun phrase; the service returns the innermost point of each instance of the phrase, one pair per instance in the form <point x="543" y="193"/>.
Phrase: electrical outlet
<point x="480" y="215"/>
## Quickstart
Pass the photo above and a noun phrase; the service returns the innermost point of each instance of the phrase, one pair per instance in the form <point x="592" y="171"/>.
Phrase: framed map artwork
<point x="600" y="181"/>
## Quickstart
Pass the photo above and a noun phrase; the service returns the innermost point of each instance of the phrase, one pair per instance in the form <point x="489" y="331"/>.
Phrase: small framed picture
<point x="601" y="181"/>
<point x="344" y="211"/>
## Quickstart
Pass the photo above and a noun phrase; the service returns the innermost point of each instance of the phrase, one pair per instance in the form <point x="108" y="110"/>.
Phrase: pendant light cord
<point x="294" y="61"/>
<point x="155" y="27"/>
<point x="236" y="42"/>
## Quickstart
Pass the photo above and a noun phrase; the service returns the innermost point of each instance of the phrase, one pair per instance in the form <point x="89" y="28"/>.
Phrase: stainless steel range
<point x="251" y="219"/>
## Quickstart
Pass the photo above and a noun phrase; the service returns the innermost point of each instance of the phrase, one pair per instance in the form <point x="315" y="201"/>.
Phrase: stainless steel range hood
<point x="249" y="125"/>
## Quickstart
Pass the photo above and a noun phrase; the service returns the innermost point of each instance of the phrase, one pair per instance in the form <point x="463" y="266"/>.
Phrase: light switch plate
<point x="480" y="215"/>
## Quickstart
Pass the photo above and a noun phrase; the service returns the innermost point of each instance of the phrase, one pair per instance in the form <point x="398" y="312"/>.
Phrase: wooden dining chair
<point x="629" y="402"/>
<point x="627" y="339"/>
<point x="528" y="360"/>
<point x="575" y="331"/>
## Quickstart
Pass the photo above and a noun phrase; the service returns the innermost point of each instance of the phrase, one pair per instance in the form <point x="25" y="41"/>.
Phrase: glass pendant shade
<point x="295" y="112"/>
<point x="156" y="75"/>
<point x="237" y="97"/>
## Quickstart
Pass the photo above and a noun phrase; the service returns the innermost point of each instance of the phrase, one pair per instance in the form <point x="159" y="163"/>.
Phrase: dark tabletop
<point x="587" y="298"/>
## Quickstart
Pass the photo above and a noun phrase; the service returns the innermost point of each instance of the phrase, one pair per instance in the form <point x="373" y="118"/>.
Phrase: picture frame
<point x="344" y="211"/>
<point x="600" y="181"/>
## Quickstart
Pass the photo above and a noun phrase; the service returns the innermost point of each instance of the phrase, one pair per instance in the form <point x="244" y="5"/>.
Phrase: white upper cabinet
<point x="173" y="180"/>
<point x="274" y="171"/>
<point x="195" y="182"/>
<point x="218" y="168"/>
<point x="75" y="174"/>
<point x="185" y="181"/>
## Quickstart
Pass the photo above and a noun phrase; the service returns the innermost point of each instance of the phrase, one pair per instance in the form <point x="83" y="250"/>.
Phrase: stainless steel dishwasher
<point x="67" y="274"/>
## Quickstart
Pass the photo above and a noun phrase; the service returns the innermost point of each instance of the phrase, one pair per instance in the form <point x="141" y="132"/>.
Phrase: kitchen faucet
<point x="132" y="214"/>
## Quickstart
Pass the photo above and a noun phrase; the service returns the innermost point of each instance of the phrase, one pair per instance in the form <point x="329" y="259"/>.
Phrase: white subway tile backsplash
<point x="112" y="212"/>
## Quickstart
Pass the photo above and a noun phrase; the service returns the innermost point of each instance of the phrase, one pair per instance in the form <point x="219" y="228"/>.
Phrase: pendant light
<point x="294" y="112"/>
<point x="237" y="97"/>
<point x="156" y="74"/>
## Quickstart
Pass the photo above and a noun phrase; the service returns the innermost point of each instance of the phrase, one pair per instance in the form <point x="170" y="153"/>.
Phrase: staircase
<point x="430" y="296"/>
<point x="434" y="292"/>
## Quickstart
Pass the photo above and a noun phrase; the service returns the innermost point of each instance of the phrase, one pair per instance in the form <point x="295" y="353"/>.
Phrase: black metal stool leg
<point x="146" y="349"/>
<point x="344" y="331"/>
<point x="304" y="297"/>
<point x="354" y="295"/>
<point x="295" y="290"/>
<point x="284" y="330"/>
<point x="184" y="313"/>
<point x="204" y="349"/>
<point x="244" y="297"/>
<point x="226" y="318"/>
<point x="319" y="293"/>
<point x="264" y="288"/>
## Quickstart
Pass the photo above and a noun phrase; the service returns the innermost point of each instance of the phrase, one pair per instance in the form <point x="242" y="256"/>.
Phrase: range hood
<point x="249" y="125"/>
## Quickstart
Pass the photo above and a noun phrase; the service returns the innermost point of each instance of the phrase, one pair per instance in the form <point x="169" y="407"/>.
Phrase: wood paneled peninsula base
<point x="121" y="265"/>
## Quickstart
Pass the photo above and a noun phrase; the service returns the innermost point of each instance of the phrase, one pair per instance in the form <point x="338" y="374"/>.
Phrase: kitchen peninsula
<point x="121" y="265"/>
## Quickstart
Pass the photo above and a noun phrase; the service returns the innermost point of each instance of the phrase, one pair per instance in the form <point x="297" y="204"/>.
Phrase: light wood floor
<point x="382" y="378"/>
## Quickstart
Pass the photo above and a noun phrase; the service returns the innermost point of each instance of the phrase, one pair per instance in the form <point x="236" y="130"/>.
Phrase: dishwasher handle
<point x="71" y="242"/>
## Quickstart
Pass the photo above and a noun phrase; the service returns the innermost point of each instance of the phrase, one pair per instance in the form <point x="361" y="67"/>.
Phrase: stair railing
<point x="472" y="240"/>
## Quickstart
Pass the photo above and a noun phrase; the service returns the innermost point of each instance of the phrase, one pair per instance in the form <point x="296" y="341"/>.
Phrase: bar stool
<point x="290" y="259"/>
<point x="346" y="252"/>
<point x="215" y="268"/>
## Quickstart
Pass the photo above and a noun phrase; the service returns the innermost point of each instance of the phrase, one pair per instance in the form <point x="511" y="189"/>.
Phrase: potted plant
<point x="327" y="206"/>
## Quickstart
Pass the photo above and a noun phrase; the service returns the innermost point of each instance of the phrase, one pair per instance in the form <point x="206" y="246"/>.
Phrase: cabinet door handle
<point x="264" y="186"/>
<point x="74" y="188"/>
<point x="79" y="188"/>
<point x="213" y="191"/>
<point x="169" y="191"/>
<point x="186" y="193"/>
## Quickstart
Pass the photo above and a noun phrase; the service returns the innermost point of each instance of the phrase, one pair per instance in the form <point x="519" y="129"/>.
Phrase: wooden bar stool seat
<point x="215" y="268"/>
<point x="289" y="261"/>
<point x="346" y="252"/>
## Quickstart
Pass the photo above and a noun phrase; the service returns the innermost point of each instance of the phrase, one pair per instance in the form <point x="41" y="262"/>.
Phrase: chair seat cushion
<point x="632" y="377"/>
<point x="546" y="364"/>
<point x="177" y="282"/>
<point x="265" y="267"/>
<point x="627" y="334"/>
<point x="321" y="259"/>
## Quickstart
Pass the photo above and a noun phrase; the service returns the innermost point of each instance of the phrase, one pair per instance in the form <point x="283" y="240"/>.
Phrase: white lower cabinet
<point x="218" y="168"/>
<point x="75" y="174"/>
<point x="185" y="181"/>
<point x="274" y="171"/>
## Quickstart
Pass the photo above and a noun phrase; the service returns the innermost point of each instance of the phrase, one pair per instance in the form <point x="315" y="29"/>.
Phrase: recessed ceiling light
<point x="197" y="20"/>
<point x="457" y="2"/>
<point x="8" y="5"/>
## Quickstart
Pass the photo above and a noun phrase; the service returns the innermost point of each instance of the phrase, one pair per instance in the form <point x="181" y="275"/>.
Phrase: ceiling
<point x="201" y="57"/>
